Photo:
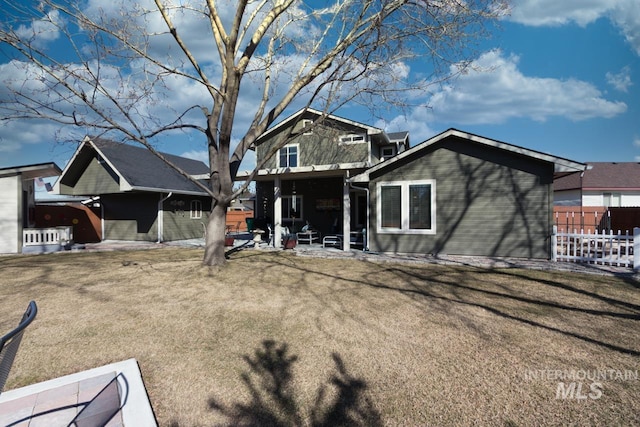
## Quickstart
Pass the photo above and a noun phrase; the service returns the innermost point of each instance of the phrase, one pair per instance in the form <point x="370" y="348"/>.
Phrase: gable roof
<point x="295" y="116"/>
<point x="602" y="176"/>
<point x="138" y="168"/>
<point x="560" y="164"/>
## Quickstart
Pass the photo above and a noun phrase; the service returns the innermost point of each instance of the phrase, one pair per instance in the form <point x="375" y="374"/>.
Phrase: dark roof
<point x="144" y="170"/>
<point x="602" y="175"/>
<point x="397" y="136"/>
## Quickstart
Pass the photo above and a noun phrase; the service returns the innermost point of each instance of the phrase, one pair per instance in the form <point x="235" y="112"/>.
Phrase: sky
<point x="560" y="77"/>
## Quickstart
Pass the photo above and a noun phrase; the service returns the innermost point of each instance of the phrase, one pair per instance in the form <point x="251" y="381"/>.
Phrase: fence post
<point x="554" y="244"/>
<point x="636" y="249"/>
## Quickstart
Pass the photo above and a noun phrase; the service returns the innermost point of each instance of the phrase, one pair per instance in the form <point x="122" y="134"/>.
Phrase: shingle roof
<point x="143" y="170"/>
<point x="603" y="175"/>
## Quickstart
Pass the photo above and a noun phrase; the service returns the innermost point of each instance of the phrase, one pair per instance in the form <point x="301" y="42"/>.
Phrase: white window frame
<point x="297" y="146"/>
<point x="305" y="123"/>
<point x="404" y="207"/>
<point x="388" y="147"/>
<point x="353" y="138"/>
<point x="196" y="209"/>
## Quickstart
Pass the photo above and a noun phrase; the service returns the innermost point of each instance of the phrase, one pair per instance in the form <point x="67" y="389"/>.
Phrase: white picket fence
<point x="615" y="249"/>
<point x="47" y="236"/>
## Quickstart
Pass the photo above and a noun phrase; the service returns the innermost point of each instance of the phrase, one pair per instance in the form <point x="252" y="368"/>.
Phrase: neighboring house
<point x="17" y="202"/>
<point x="139" y="196"/>
<point x="607" y="184"/>
<point x="456" y="193"/>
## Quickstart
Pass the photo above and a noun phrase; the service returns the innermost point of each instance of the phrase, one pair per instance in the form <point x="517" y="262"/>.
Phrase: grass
<point x="283" y="340"/>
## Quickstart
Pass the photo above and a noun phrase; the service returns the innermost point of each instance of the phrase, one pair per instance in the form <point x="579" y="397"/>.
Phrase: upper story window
<point x="353" y="139"/>
<point x="387" y="152"/>
<point x="305" y="123"/>
<point x="407" y="207"/>
<point x="288" y="156"/>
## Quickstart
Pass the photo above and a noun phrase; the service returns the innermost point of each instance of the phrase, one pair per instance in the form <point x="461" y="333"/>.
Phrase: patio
<point x="113" y="393"/>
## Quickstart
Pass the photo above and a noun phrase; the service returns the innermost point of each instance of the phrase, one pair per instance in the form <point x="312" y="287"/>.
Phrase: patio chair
<point x="10" y="342"/>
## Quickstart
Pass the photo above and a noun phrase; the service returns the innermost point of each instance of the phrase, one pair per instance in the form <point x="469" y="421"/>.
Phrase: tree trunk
<point x="214" y="242"/>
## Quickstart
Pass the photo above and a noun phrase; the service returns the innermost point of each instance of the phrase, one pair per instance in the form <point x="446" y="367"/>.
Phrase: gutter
<point x="161" y="217"/>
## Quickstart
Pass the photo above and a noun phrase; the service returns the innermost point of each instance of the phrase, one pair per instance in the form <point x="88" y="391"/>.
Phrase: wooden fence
<point x="615" y="249"/>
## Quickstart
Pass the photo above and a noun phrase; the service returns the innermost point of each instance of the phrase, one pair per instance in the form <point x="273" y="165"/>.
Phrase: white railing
<point x="615" y="249"/>
<point x="47" y="236"/>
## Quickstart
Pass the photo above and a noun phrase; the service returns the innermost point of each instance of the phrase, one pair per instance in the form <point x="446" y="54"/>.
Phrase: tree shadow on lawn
<point x="620" y="309"/>
<point x="341" y="401"/>
<point x="462" y="287"/>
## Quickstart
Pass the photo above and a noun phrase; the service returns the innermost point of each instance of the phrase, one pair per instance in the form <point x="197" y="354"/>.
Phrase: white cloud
<point x="625" y="14"/>
<point x="201" y="155"/>
<point x="620" y="81"/>
<point x="495" y="90"/>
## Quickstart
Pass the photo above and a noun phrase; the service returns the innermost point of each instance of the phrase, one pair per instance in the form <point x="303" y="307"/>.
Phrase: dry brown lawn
<point x="276" y="339"/>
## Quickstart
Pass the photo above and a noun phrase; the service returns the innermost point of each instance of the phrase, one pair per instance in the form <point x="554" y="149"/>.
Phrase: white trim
<point x="404" y="207"/>
<point x="370" y="129"/>
<point x="352" y="139"/>
<point x="560" y="164"/>
<point x="305" y="123"/>
<point x="197" y="212"/>
<point x="297" y="146"/>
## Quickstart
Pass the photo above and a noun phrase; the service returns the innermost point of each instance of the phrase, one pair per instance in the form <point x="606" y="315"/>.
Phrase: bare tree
<point x="142" y="71"/>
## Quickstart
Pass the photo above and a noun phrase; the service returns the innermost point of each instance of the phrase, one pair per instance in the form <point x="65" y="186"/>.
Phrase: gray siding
<point x="97" y="178"/>
<point x="177" y="222"/>
<point x="320" y="148"/>
<point x="488" y="202"/>
<point x="131" y="216"/>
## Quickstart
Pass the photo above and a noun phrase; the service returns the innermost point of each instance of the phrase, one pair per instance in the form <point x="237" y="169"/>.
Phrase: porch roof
<point x="39" y="170"/>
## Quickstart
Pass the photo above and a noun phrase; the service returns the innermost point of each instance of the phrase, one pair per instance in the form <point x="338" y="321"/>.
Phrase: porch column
<point x="346" y="214"/>
<point x="277" y="212"/>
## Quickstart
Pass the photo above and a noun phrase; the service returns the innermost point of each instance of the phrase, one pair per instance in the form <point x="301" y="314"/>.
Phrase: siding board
<point x="489" y="203"/>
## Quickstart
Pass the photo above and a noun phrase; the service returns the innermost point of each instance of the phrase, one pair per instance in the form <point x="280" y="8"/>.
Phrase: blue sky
<point x="561" y="77"/>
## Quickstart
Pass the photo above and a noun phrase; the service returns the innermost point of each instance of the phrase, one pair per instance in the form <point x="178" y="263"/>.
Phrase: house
<point x="607" y="184"/>
<point x="456" y="193"/>
<point x="17" y="202"/>
<point x="139" y="196"/>
<point x="606" y="196"/>
<point x="307" y="179"/>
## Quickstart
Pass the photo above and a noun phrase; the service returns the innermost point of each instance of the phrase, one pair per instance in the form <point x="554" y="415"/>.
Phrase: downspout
<point x="161" y="217"/>
<point x="365" y="242"/>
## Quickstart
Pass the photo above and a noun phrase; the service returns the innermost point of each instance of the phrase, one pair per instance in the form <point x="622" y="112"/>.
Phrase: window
<point x="196" y="209"/>
<point x="353" y="139"/>
<point x="612" y="200"/>
<point x="387" y="152"/>
<point x="288" y="156"/>
<point x="406" y="207"/>
<point x="291" y="208"/>
<point x="305" y="123"/>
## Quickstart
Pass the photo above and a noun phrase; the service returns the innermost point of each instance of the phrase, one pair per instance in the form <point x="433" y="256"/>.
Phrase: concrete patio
<point x="113" y="394"/>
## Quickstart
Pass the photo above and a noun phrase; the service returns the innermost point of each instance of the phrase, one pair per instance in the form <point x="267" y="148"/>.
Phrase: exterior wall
<point x="130" y="216"/>
<point x="10" y="214"/>
<point x="488" y="202"/>
<point x="97" y="178"/>
<point x="322" y="147"/>
<point x="596" y="198"/>
<point x="179" y="222"/>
